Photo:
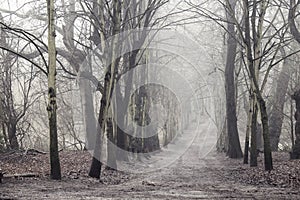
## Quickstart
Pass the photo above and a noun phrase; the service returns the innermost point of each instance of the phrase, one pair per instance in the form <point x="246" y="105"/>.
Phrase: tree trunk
<point x="234" y="148"/>
<point x="52" y="106"/>
<point x="293" y="28"/>
<point x="89" y="120"/>
<point x="276" y="114"/>
<point x="96" y="165"/>
<point x="12" y="135"/>
<point x="78" y="65"/>
<point x="109" y="85"/>
<point x="259" y="138"/>
<point x="253" y="66"/>
<point x="253" y="155"/>
<point x="222" y="143"/>
<point x="2" y="125"/>
<point x="265" y="125"/>
<point x="120" y="113"/>
<point x="111" y="154"/>
<point x="295" y="154"/>
<point x="249" y="111"/>
<point x="292" y="122"/>
<point x="122" y="107"/>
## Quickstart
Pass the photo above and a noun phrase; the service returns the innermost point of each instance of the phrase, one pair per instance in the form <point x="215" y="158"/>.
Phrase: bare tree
<point x="52" y="105"/>
<point x="133" y="14"/>
<point x="234" y="148"/>
<point x="253" y="66"/>
<point x="295" y="154"/>
<point x="16" y="81"/>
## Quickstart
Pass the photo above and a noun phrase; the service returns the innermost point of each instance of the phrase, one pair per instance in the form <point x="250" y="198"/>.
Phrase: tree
<point x="52" y="105"/>
<point x="10" y="115"/>
<point x="295" y="154"/>
<point x="277" y="111"/>
<point x="253" y="62"/>
<point x="109" y="82"/>
<point x="229" y="138"/>
<point x="234" y="148"/>
<point x="16" y="93"/>
<point x="122" y="17"/>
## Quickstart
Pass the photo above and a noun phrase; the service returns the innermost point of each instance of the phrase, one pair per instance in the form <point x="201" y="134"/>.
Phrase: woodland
<point x="149" y="99"/>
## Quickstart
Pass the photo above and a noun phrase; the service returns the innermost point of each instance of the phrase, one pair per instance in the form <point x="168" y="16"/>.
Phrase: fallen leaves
<point x="74" y="165"/>
<point x="286" y="173"/>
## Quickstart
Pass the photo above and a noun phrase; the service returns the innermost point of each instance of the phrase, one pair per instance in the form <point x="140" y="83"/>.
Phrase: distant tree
<point x="278" y="102"/>
<point x="10" y="116"/>
<point x="15" y="92"/>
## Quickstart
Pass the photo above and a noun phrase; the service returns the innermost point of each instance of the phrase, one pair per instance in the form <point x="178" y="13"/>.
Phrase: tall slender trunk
<point x="253" y="66"/>
<point x="249" y="110"/>
<point x="261" y="102"/>
<point x="292" y="122"/>
<point x="52" y="106"/>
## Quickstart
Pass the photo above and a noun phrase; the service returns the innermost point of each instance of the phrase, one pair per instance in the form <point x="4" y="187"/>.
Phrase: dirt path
<point x="192" y="176"/>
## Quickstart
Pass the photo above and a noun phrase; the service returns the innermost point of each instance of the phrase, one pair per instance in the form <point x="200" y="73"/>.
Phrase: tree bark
<point x="111" y="154"/>
<point x="267" y="148"/>
<point x="253" y="155"/>
<point x="52" y="106"/>
<point x="234" y="148"/>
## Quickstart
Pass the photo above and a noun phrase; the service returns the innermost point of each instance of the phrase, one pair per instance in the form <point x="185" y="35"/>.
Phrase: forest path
<point x="197" y="174"/>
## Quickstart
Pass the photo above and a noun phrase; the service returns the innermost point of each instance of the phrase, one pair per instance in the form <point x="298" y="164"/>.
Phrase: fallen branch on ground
<point x="26" y="175"/>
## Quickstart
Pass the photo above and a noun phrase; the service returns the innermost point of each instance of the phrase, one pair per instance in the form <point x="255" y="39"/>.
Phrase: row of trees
<point x="260" y="40"/>
<point x="102" y="69"/>
<point x="260" y="37"/>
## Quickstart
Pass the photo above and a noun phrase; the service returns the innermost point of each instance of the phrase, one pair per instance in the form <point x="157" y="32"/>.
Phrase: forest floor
<point x="190" y="177"/>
